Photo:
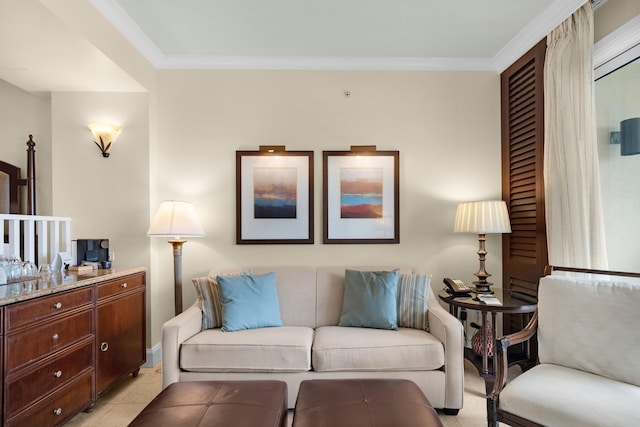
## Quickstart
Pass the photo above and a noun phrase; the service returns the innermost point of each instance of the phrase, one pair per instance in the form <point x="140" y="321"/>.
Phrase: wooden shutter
<point x="524" y="251"/>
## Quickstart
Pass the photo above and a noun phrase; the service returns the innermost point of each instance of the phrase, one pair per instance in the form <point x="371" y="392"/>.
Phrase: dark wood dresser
<point x="66" y="340"/>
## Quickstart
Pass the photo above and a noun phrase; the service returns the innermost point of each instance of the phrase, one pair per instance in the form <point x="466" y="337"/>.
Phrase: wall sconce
<point x="630" y="137"/>
<point x="106" y="134"/>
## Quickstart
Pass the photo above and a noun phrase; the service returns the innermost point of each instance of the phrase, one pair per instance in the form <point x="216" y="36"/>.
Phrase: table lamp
<point x="482" y="218"/>
<point x="176" y="220"/>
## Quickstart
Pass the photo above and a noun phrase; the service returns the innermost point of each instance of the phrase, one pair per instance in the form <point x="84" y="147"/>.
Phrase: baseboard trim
<point x="154" y="356"/>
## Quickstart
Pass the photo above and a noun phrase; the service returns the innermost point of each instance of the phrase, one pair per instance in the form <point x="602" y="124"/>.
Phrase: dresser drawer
<point x="24" y="313"/>
<point x="21" y="392"/>
<point x="30" y="345"/>
<point x="62" y="405"/>
<point x="121" y="285"/>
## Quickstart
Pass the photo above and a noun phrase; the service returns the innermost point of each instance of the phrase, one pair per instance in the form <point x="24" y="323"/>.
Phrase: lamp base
<point x="482" y="287"/>
<point x="177" y="273"/>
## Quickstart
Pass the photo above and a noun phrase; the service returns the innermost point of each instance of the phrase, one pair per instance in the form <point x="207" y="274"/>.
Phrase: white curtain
<point x="575" y="226"/>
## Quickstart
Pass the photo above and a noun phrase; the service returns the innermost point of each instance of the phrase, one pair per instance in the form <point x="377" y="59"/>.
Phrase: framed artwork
<point x="361" y="196"/>
<point x="274" y="197"/>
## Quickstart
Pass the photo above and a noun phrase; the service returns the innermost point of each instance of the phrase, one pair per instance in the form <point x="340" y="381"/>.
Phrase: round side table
<point x="508" y="304"/>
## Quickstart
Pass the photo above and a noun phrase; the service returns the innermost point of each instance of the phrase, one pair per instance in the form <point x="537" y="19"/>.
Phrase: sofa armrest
<point x="174" y="332"/>
<point x="449" y="331"/>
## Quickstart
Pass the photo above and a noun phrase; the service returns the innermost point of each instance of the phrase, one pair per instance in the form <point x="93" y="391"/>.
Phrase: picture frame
<point x="274" y="197"/>
<point x="361" y="196"/>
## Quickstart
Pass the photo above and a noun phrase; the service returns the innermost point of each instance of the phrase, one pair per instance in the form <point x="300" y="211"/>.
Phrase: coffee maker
<point x="90" y="251"/>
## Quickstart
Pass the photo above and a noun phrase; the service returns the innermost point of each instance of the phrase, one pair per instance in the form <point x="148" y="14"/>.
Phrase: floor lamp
<point x="176" y="220"/>
<point x="482" y="218"/>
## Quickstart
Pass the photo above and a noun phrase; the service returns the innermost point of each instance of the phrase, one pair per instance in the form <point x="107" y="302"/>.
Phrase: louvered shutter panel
<point x="524" y="251"/>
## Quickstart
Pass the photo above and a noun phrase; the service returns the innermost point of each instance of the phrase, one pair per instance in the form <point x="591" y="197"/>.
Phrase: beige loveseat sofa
<point x="310" y="345"/>
<point x="588" y="373"/>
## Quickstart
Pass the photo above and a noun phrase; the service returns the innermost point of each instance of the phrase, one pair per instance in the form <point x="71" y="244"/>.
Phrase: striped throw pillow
<point x="412" y="296"/>
<point x="209" y="299"/>
<point x="208" y="293"/>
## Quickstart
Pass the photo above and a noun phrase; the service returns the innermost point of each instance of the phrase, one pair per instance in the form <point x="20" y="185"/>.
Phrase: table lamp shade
<point x="482" y="217"/>
<point x="176" y="219"/>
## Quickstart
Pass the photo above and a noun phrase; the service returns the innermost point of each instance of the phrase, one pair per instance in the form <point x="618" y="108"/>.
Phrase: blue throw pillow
<point x="249" y="301"/>
<point x="370" y="299"/>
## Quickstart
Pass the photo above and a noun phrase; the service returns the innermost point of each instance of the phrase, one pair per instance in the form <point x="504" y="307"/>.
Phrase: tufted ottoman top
<point x="363" y="403"/>
<point x="220" y="403"/>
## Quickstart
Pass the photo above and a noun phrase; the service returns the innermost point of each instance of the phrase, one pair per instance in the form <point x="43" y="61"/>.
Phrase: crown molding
<point x="324" y="63"/>
<point x="114" y="13"/>
<point x="553" y="15"/>
<point x="537" y="29"/>
<point x="617" y="48"/>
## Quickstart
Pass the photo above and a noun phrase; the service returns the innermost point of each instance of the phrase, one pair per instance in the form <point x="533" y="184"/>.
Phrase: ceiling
<point x="42" y="48"/>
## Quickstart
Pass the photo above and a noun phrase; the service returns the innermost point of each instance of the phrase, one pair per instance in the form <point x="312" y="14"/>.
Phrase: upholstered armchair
<point x="588" y="368"/>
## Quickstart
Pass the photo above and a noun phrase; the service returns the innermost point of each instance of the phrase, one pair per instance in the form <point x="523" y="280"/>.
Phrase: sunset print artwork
<point x="361" y="193"/>
<point x="275" y="192"/>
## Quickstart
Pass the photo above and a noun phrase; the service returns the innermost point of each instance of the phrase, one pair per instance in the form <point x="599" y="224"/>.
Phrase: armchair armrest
<point x="502" y="361"/>
<point x="449" y="331"/>
<point x="174" y="332"/>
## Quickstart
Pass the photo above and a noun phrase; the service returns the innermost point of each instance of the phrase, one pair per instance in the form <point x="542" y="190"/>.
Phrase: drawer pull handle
<point x="57" y="305"/>
<point x="124" y="285"/>
<point x="104" y="346"/>
<point x="57" y="411"/>
<point x="55" y="337"/>
<point x="57" y="374"/>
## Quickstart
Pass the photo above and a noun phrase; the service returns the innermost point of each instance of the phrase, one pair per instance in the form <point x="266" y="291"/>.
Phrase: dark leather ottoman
<point x="217" y="403"/>
<point x="363" y="403"/>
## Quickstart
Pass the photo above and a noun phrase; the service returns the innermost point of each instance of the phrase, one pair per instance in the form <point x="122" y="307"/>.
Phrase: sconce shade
<point x="104" y="135"/>
<point x="630" y="136"/>
<point x="176" y="219"/>
<point x="482" y="217"/>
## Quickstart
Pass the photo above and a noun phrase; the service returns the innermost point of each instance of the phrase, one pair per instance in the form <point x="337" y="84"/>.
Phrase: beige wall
<point x="22" y="114"/>
<point x="445" y="125"/>
<point x="105" y="197"/>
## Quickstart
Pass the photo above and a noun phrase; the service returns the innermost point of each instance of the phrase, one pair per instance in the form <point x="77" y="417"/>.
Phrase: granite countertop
<point x="58" y="282"/>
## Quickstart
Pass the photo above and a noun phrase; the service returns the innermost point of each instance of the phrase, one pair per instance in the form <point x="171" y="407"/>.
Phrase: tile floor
<point x="120" y="405"/>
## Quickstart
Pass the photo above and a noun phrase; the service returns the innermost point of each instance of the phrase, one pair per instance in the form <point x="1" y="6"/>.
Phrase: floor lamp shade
<point x="176" y="220"/>
<point x="482" y="218"/>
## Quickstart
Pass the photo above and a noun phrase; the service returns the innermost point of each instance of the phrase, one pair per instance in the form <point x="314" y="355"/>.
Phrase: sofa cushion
<point x="283" y="349"/>
<point x="589" y="324"/>
<point x="412" y="298"/>
<point x="363" y="349"/>
<point x="249" y="301"/>
<point x="555" y="395"/>
<point x="370" y="299"/>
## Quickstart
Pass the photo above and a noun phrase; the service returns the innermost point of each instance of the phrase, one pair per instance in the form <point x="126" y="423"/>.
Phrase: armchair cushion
<point x="589" y="324"/>
<point x="587" y="399"/>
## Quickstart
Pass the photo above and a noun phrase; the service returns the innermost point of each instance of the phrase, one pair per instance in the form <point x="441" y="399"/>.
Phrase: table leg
<point x="485" y="350"/>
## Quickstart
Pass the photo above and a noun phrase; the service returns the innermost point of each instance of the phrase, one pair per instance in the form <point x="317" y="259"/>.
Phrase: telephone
<point x="457" y="287"/>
